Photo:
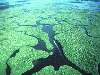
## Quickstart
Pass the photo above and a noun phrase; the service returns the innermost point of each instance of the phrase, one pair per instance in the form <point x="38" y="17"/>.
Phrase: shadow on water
<point x="56" y="60"/>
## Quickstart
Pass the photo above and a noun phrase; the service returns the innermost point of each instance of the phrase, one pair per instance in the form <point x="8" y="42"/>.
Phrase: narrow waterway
<point x="57" y="59"/>
<point x="8" y="68"/>
<point x="41" y="45"/>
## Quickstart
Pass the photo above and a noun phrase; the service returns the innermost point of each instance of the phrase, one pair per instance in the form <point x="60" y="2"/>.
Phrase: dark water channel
<point x="57" y="59"/>
<point x="8" y="68"/>
<point x="41" y="45"/>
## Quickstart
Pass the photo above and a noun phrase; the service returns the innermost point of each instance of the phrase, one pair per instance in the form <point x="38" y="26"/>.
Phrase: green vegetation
<point x="23" y="60"/>
<point x="78" y="31"/>
<point x="79" y="45"/>
<point x="64" y="70"/>
<point x="17" y="33"/>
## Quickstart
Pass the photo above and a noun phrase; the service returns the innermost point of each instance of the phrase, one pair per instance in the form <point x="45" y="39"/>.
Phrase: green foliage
<point x="23" y="60"/>
<point x="78" y="31"/>
<point x="64" y="70"/>
<point x="79" y="45"/>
